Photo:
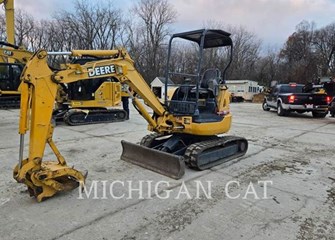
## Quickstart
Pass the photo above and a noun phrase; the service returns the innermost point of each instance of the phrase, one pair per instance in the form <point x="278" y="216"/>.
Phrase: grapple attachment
<point x="164" y="163"/>
<point x="48" y="179"/>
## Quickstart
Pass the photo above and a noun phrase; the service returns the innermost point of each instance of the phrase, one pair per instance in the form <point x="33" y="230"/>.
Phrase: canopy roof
<point x="214" y="37"/>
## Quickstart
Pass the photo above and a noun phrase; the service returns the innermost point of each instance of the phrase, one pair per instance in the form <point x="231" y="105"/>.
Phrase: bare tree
<point x="24" y="26"/>
<point x="245" y="54"/>
<point x="307" y="54"/>
<point x="246" y="49"/>
<point x="155" y="17"/>
<point x="91" y="26"/>
<point x="268" y="68"/>
<point x="324" y="43"/>
<point x="298" y="55"/>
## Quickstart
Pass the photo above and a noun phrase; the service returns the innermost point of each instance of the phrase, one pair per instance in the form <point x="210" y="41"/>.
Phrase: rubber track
<point x="194" y="150"/>
<point x="148" y="139"/>
<point x="102" y="113"/>
<point x="5" y="104"/>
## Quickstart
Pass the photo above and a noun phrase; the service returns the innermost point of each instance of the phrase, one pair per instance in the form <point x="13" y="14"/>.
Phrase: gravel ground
<point x="294" y="154"/>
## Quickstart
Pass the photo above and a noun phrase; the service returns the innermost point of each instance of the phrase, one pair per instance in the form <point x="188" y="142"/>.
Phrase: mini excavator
<point x="187" y="128"/>
<point x="11" y="66"/>
<point x="9" y="70"/>
<point x="82" y="102"/>
<point x="79" y="103"/>
<point x="89" y="101"/>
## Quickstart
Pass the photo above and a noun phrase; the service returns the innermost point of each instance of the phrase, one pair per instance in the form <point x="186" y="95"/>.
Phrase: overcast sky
<point x="271" y="20"/>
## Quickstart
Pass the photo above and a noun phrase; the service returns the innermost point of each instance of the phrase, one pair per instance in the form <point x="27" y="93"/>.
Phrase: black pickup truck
<point x="288" y="98"/>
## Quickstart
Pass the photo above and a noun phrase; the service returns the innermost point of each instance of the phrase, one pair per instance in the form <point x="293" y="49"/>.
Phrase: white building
<point x="158" y="87"/>
<point x="244" y="89"/>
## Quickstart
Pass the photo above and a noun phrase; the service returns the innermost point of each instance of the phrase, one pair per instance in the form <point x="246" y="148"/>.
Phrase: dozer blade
<point x="164" y="163"/>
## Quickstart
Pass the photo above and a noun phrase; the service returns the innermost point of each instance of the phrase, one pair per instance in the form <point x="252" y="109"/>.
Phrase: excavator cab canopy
<point x="212" y="37"/>
<point x="201" y="82"/>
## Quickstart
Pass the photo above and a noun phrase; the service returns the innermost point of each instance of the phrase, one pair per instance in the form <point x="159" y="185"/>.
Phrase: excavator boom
<point x="39" y="91"/>
<point x="13" y="52"/>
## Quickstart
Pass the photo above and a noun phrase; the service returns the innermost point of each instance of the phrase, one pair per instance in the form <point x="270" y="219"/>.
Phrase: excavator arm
<point x="13" y="52"/>
<point x="119" y="66"/>
<point x="38" y="94"/>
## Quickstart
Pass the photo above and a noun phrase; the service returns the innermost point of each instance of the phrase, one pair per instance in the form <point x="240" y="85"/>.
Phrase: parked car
<point x="286" y="98"/>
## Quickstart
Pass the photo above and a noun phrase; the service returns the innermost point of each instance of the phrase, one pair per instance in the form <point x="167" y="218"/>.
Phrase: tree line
<point x="144" y="30"/>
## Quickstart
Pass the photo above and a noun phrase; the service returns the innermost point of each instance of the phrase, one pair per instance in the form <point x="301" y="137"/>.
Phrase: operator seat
<point x="182" y="93"/>
<point x="210" y="81"/>
<point x="209" y="90"/>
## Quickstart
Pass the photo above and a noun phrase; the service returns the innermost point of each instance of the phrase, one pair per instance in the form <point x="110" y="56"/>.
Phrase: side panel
<point x="107" y="95"/>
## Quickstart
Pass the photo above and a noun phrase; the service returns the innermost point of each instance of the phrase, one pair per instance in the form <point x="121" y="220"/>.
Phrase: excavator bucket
<point x="50" y="179"/>
<point x="164" y="163"/>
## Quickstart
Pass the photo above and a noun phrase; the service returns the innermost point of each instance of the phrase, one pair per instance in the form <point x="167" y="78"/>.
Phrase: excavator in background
<point x="14" y="58"/>
<point x="15" y="53"/>
<point x="187" y="128"/>
<point x="83" y="102"/>
<point x="9" y="70"/>
<point x="89" y="101"/>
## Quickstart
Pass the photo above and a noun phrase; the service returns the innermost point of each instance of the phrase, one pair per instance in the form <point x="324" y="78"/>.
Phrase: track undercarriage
<point x="168" y="155"/>
<point x="9" y="101"/>
<point x="74" y="117"/>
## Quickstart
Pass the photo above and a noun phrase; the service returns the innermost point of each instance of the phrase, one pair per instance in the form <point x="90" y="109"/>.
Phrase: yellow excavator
<point x="14" y="58"/>
<point x="187" y="128"/>
<point x="82" y="102"/>
<point x="9" y="70"/>
<point x="89" y="101"/>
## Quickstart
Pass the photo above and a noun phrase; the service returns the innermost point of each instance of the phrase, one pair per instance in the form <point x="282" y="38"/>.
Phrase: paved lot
<point x="296" y="153"/>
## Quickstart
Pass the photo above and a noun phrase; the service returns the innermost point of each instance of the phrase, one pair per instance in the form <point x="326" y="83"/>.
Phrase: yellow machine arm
<point x="19" y="54"/>
<point x="10" y="29"/>
<point x="120" y="65"/>
<point x="38" y="94"/>
<point x="43" y="179"/>
<point x="9" y="9"/>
